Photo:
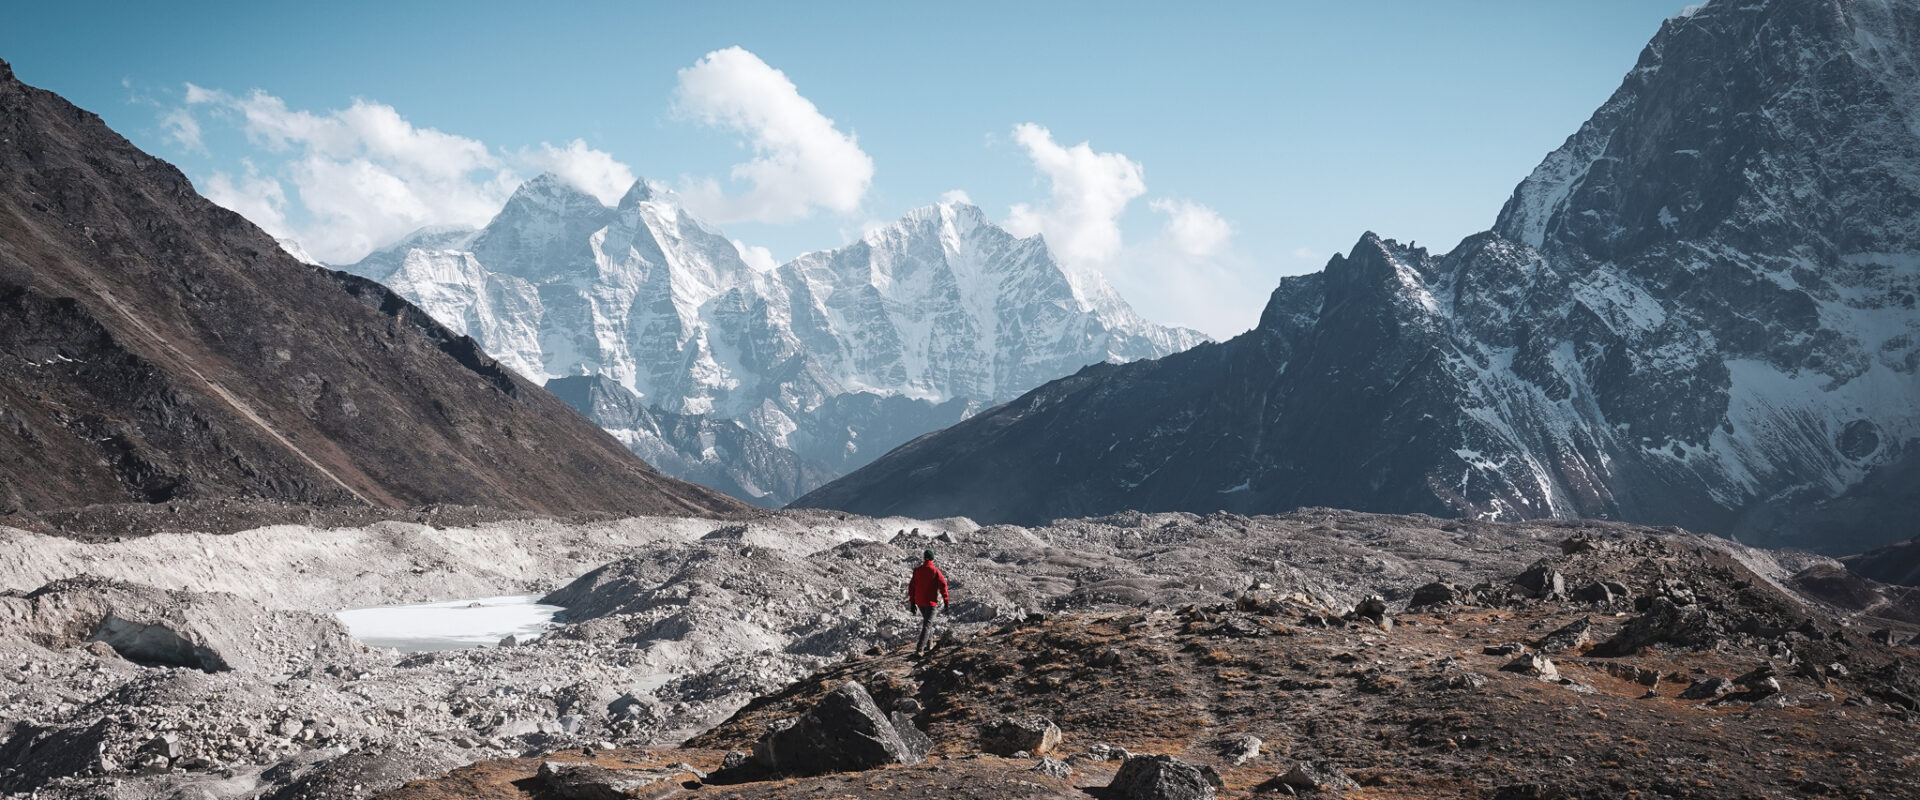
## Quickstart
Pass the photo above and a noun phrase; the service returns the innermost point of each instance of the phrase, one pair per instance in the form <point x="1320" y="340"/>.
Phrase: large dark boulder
<point x="845" y="732"/>
<point x="1159" y="777"/>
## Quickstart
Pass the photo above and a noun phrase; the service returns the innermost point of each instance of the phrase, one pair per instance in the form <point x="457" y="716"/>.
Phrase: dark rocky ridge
<point x="1698" y="311"/>
<point x="155" y="347"/>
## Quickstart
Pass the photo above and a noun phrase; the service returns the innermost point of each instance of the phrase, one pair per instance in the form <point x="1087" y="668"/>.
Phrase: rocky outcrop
<point x="155" y="347"/>
<point x="844" y="731"/>
<point x="1682" y="317"/>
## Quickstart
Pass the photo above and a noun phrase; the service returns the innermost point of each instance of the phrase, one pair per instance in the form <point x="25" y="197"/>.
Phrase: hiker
<point x="924" y="594"/>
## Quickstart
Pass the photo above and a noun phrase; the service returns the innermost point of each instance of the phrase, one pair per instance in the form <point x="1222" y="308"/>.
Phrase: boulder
<point x="1318" y="776"/>
<point x="1572" y="636"/>
<point x="1707" y="689"/>
<point x="1595" y="592"/>
<point x="579" y="780"/>
<point x="1533" y="664"/>
<point x="844" y="732"/>
<point x="1543" y="582"/>
<point x="1033" y="734"/>
<point x="1159" y="777"/>
<point x="1241" y="748"/>
<point x="166" y="744"/>
<point x="1438" y="593"/>
<point x="1762" y="677"/>
<point x="1053" y="768"/>
<point x="915" y="739"/>
<point x="1374" y="609"/>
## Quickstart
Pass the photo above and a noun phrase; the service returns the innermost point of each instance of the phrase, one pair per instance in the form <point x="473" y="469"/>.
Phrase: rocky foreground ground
<point x="1587" y="659"/>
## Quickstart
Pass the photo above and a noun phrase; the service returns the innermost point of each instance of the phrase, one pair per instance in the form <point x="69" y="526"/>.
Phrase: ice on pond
<point x="449" y="625"/>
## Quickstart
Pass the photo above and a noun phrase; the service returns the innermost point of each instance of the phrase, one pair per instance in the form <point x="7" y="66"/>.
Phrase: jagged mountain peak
<point x="549" y="189"/>
<point x="947" y="213"/>
<point x="1687" y="147"/>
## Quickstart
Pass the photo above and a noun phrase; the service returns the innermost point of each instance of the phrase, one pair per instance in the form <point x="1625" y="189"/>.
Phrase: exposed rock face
<point x="156" y="347"/>
<point x="838" y="356"/>
<point x="1685" y="315"/>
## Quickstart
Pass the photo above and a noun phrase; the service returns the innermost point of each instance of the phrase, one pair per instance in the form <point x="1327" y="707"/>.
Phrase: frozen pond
<point x="449" y="625"/>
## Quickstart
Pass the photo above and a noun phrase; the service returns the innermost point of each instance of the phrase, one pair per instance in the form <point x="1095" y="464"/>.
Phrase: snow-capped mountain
<point x="1699" y="310"/>
<point x="837" y="356"/>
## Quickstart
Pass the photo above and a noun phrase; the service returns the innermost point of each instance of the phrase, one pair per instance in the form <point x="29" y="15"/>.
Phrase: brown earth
<point x="155" y="347"/>
<point x="1420" y="710"/>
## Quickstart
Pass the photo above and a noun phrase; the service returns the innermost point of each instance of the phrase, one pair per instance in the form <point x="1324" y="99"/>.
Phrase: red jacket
<point x="929" y="586"/>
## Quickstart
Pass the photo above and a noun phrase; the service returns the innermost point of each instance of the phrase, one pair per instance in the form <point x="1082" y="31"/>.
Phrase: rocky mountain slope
<point x="155" y="347"/>
<point x="837" y="356"/>
<point x="1700" y="310"/>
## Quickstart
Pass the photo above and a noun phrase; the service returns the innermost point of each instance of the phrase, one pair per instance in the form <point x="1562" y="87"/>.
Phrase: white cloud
<point x="801" y="161"/>
<point x="757" y="257"/>
<point x="364" y="176"/>
<point x="260" y="199"/>
<point x="1305" y="253"/>
<point x="1089" y="190"/>
<point x="1194" y="229"/>
<point x="593" y="171"/>
<point x="183" y="129"/>
<point x="956" y="196"/>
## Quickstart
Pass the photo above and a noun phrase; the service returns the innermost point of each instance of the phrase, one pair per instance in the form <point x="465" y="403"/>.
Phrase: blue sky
<point x="1227" y="145"/>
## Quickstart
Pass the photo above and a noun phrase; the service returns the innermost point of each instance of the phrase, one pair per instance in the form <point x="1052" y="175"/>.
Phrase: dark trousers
<point x="926" y="626"/>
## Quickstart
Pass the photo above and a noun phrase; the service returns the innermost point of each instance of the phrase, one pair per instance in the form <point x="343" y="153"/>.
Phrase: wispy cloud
<point x="801" y="162"/>
<point x="1194" y="229"/>
<point x="1185" y="273"/>
<point x="183" y="129"/>
<point x="350" y="180"/>
<point x="759" y="258"/>
<point x="1088" y="191"/>
<point x="594" y="171"/>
